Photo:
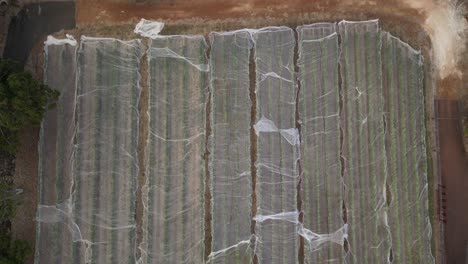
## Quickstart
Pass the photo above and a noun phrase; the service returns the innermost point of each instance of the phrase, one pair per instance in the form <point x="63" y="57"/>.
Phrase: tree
<point x="23" y="101"/>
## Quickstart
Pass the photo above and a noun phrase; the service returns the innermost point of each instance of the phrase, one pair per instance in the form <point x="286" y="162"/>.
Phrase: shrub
<point x="8" y="202"/>
<point x="13" y="251"/>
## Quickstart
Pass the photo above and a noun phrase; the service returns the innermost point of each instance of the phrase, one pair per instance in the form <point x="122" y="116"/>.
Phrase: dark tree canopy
<point x="23" y="101"/>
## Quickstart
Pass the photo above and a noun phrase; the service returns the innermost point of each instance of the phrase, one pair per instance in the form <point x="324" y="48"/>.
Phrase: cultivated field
<point x="54" y="232"/>
<point x="105" y="160"/>
<point x="309" y="141"/>
<point x="230" y="146"/>
<point x="173" y="223"/>
<point x="318" y="105"/>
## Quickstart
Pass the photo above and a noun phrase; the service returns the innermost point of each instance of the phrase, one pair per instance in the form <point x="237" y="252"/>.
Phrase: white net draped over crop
<point x="94" y="212"/>
<point x="324" y="229"/>
<point x="277" y="146"/>
<point x="173" y="195"/>
<point x="274" y="144"/>
<point x="230" y="163"/>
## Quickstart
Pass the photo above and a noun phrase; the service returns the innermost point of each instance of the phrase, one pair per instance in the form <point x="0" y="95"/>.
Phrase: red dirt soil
<point x="89" y="11"/>
<point x="454" y="189"/>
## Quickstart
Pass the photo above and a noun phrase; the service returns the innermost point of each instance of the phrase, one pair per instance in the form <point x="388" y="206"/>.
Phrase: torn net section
<point x="53" y="238"/>
<point x="278" y="147"/>
<point x="230" y="170"/>
<point x="106" y="163"/>
<point x="408" y="216"/>
<point x="322" y="197"/>
<point x="363" y="143"/>
<point x="173" y="194"/>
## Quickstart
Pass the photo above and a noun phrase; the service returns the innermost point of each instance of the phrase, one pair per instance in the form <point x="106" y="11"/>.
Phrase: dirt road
<point x="454" y="190"/>
<point x="88" y="11"/>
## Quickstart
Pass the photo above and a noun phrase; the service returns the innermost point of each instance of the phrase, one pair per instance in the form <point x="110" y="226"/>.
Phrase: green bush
<point x="23" y="101"/>
<point x="13" y="251"/>
<point x="8" y="202"/>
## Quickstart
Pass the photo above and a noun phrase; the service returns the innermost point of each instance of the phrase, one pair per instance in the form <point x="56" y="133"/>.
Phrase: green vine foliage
<point x="23" y="101"/>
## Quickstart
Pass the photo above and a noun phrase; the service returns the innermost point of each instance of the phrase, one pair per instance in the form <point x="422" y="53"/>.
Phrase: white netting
<point x="54" y="237"/>
<point x="230" y="170"/>
<point x="408" y="215"/>
<point x="277" y="148"/>
<point x="173" y="194"/>
<point x="364" y="156"/>
<point x="349" y="151"/>
<point x="148" y="28"/>
<point x="106" y="162"/>
<point x="322" y="195"/>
